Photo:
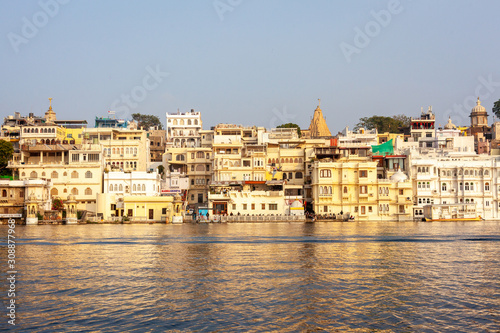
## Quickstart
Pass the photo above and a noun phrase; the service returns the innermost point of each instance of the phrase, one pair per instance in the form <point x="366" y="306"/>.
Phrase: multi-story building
<point x="73" y="169"/>
<point x="132" y="183"/>
<point x="444" y="177"/>
<point x="423" y="129"/>
<point x="157" y="142"/>
<point x="124" y="149"/>
<point x="344" y="180"/>
<point x="183" y="129"/>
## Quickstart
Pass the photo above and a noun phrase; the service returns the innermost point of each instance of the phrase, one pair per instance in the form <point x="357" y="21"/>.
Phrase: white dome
<point x="399" y="177"/>
<point x="450" y="125"/>
<point x="478" y="108"/>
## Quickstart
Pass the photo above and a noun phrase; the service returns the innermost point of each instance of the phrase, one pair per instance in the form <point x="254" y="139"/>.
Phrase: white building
<point x="452" y="177"/>
<point x="183" y="129"/>
<point x="132" y="183"/>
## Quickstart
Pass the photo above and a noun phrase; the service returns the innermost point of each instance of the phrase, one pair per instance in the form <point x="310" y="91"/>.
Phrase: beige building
<point x="73" y="169"/>
<point x="123" y="149"/>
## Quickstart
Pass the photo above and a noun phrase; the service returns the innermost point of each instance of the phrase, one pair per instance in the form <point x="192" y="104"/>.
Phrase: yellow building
<point x="344" y="180"/>
<point x="141" y="208"/>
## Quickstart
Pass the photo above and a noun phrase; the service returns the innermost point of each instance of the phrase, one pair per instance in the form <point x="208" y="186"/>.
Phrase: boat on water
<point x="451" y="212"/>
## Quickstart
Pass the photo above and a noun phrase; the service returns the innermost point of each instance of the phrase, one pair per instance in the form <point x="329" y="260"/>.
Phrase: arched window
<point x="472" y="186"/>
<point x="486" y="172"/>
<point x="419" y="170"/>
<point x="448" y="173"/>
<point x="345" y="189"/>
<point x="296" y="160"/>
<point x="88" y="191"/>
<point x="23" y="174"/>
<point x="110" y="187"/>
<point x="181" y="122"/>
<point x="113" y="150"/>
<point x="486" y="186"/>
<point x="290" y="175"/>
<point x="135" y="151"/>
<point x="127" y="150"/>
<point x="320" y="190"/>
<point x="466" y="186"/>
<point x="120" y="188"/>
<point x="74" y="191"/>
<point x="116" y="187"/>
<point x="330" y="190"/>
<point x="4" y="193"/>
<point x="443" y="187"/>
<point x="54" y="192"/>
<point x="54" y="174"/>
<point x="65" y="174"/>
<point x="175" y="121"/>
<point x="196" y="121"/>
<point x="298" y="175"/>
<point x="43" y="174"/>
<point x="466" y="172"/>
<point x="74" y="174"/>
<point x="189" y="122"/>
<point x="88" y="174"/>
<point x="33" y="174"/>
<point x="135" y="187"/>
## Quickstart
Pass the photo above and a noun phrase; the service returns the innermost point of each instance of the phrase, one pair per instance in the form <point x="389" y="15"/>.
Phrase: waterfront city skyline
<point x="254" y="63"/>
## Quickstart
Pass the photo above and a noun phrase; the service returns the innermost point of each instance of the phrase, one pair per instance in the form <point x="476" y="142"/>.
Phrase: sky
<point x="250" y="62"/>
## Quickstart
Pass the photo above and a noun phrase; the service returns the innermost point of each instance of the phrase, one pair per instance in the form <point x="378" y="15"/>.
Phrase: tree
<point x="6" y="153"/>
<point x="383" y="124"/>
<point x="496" y="108"/>
<point x="147" y="121"/>
<point x="290" y="125"/>
<point x="161" y="170"/>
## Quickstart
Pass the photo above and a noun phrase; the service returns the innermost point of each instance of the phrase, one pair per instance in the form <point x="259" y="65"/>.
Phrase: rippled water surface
<point x="363" y="277"/>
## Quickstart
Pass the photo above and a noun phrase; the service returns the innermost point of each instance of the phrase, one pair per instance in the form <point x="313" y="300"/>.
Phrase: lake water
<point x="283" y="277"/>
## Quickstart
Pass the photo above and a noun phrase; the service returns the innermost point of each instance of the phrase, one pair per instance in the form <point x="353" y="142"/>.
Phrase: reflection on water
<point x="400" y="277"/>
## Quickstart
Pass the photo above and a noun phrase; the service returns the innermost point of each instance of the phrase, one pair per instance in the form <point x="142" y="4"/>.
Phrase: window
<point x="253" y="206"/>
<point x="192" y="181"/>
<point x="244" y="206"/>
<point x="88" y="174"/>
<point x="74" y="174"/>
<point x="370" y="209"/>
<point x="192" y="167"/>
<point x="363" y="189"/>
<point x="486" y="186"/>
<point x="111" y="187"/>
<point x="325" y="173"/>
<point x="234" y="206"/>
<point x="273" y="206"/>
<point x="33" y="174"/>
<point x="54" y="192"/>
<point x="401" y="209"/>
<point x="325" y="209"/>
<point x="179" y="158"/>
<point x="298" y="175"/>
<point x="54" y="174"/>
<point x="443" y="187"/>
<point x="88" y="191"/>
<point x="363" y="208"/>
<point x="363" y="173"/>
<point x="345" y="189"/>
<point x="486" y="172"/>
<point x="401" y="191"/>
<point x="74" y="191"/>
<point x="263" y="206"/>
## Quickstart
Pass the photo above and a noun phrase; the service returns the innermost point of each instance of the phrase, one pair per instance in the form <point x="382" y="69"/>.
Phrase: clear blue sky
<point x="250" y="62"/>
